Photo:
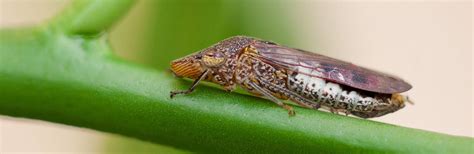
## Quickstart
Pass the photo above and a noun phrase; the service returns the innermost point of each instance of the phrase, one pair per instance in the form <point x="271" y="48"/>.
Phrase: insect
<point x="278" y="73"/>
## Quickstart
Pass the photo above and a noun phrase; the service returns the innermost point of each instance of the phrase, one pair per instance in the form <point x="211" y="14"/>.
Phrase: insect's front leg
<point x="193" y="86"/>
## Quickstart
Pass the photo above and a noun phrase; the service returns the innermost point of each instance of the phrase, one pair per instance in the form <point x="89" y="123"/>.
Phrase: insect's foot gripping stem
<point x="193" y="86"/>
<point x="291" y="111"/>
<point x="184" y="92"/>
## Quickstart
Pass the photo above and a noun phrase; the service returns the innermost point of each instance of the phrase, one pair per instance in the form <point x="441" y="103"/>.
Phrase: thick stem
<point x="39" y="80"/>
<point x="91" y="17"/>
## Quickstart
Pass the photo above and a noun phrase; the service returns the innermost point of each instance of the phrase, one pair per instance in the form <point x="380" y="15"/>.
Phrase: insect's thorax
<point x="231" y="48"/>
<point x="224" y="75"/>
<point x="251" y="69"/>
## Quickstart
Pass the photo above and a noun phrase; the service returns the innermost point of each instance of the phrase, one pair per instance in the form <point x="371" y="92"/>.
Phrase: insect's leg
<point x="333" y="110"/>
<point x="268" y="95"/>
<point x="345" y="112"/>
<point x="229" y="88"/>
<point x="304" y="103"/>
<point x="191" y="89"/>
<point x="295" y="97"/>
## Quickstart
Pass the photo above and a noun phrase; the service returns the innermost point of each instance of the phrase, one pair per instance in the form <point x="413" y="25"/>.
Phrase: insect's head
<point x="193" y="65"/>
<point x="213" y="57"/>
<point x="189" y="66"/>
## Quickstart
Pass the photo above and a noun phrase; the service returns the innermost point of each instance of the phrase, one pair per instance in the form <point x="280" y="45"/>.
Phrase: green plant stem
<point x="91" y="17"/>
<point x="48" y="74"/>
<point x="39" y="80"/>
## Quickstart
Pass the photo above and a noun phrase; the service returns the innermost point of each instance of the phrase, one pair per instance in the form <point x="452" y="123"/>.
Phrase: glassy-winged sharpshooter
<point x="277" y="73"/>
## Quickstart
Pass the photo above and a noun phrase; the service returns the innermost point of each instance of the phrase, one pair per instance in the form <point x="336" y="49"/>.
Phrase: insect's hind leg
<point x="269" y="96"/>
<point x="304" y="103"/>
<point x="293" y="96"/>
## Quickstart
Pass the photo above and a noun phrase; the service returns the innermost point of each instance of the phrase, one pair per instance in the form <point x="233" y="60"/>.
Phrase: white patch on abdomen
<point x="327" y="93"/>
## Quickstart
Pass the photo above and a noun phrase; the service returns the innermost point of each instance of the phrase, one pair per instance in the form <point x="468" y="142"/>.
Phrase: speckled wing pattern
<point x="330" y="69"/>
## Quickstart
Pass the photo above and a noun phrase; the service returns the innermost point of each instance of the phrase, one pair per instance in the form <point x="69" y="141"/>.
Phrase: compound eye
<point x="213" y="58"/>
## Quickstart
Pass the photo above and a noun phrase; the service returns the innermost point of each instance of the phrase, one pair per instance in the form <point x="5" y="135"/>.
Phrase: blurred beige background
<point x="428" y="43"/>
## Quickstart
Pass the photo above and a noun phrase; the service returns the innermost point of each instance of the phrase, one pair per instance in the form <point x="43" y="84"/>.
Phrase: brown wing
<point x="330" y="69"/>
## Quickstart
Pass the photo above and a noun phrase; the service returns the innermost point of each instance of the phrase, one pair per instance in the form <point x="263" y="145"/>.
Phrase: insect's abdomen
<point x="330" y="95"/>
